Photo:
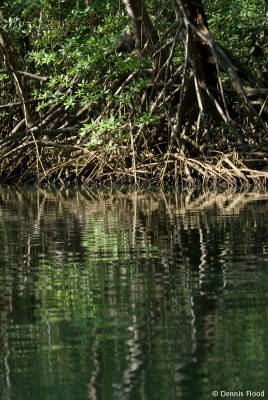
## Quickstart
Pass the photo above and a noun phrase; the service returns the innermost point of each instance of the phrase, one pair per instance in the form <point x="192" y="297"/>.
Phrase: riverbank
<point x="35" y="160"/>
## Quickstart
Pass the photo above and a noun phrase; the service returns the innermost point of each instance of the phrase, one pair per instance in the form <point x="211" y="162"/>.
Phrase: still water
<point x="148" y="295"/>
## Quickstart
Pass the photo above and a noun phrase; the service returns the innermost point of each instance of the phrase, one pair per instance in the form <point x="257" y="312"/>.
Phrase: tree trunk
<point x="146" y="36"/>
<point x="207" y="60"/>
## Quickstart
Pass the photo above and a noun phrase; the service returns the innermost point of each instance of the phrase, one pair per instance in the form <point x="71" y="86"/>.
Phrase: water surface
<point x="151" y="295"/>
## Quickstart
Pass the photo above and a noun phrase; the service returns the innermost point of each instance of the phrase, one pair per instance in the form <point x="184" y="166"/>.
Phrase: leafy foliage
<point x="239" y="26"/>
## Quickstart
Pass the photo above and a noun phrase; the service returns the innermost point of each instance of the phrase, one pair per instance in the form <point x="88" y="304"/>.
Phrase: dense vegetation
<point x="133" y="91"/>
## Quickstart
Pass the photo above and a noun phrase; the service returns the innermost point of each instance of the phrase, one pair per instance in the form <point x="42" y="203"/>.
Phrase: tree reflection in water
<point x="132" y="294"/>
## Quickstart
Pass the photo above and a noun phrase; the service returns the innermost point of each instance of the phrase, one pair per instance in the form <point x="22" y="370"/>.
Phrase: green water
<point x="146" y="295"/>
